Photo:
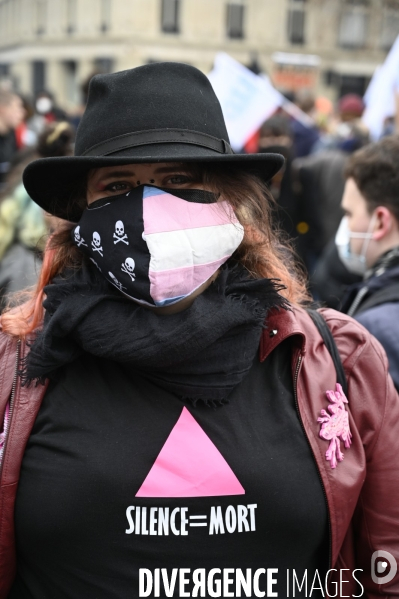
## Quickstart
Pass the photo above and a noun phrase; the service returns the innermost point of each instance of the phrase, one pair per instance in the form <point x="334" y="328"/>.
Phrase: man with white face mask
<point x="46" y="111"/>
<point x="368" y="242"/>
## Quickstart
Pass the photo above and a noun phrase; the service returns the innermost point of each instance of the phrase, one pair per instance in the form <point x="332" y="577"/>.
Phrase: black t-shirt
<point x="126" y="490"/>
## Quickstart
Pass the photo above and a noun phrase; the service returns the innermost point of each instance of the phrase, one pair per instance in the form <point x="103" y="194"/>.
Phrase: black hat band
<point x="159" y="136"/>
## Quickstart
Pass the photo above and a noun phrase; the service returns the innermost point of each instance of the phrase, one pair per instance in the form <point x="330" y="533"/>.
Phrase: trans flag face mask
<point x="157" y="246"/>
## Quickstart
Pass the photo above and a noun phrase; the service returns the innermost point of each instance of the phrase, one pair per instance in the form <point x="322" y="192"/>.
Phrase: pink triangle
<point x="189" y="465"/>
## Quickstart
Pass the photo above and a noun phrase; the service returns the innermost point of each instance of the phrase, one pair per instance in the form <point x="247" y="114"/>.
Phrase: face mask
<point x="43" y="105"/>
<point x="158" y="246"/>
<point x="355" y="263"/>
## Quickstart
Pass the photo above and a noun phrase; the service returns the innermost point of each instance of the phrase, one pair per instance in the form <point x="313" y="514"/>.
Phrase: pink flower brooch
<point x="335" y="425"/>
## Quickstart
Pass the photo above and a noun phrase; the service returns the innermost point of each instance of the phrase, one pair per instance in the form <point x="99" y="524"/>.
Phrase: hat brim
<point x="52" y="182"/>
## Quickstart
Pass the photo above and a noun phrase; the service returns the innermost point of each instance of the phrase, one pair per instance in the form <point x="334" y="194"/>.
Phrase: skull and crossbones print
<point x="120" y="234"/>
<point x="78" y="238"/>
<point x="128" y="267"/>
<point x="96" y="244"/>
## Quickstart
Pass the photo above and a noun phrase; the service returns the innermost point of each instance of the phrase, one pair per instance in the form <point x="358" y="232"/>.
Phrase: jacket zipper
<point x="12" y="397"/>
<point x="298" y="366"/>
<point x="357" y="301"/>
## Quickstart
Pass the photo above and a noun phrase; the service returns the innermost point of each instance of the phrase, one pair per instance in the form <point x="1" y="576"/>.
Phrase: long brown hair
<point x="263" y="251"/>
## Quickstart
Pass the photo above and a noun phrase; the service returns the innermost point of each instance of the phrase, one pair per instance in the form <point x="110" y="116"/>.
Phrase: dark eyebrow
<point x="128" y="173"/>
<point x="170" y="169"/>
<point x="121" y="173"/>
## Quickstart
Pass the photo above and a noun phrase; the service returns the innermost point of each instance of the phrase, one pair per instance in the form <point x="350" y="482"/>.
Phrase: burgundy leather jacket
<point x="362" y="492"/>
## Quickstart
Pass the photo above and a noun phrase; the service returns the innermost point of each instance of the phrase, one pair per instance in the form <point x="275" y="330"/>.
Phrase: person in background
<point x="23" y="225"/>
<point x="275" y="136"/>
<point x="46" y="111"/>
<point x="45" y="105"/>
<point x="304" y="137"/>
<point x="323" y="112"/>
<point x="389" y="127"/>
<point x="340" y="132"/>
<point x="292" y="216"/>
<point x="11" y="116"/>
<point x="368" y="242"/>
<point x="320" y="179"/>
<point x="26" y="137"/>
<point x="350" y="108"/>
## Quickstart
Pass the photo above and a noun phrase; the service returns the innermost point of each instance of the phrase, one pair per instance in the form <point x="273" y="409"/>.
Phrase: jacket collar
<point x="281" y="324"/>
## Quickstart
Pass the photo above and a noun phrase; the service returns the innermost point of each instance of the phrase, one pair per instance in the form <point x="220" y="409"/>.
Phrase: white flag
<point x="247" y="100"/>
<point x="380" y="95"/>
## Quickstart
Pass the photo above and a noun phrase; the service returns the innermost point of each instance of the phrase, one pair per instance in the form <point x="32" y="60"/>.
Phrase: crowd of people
<point x="334" y="173"/>
<point x="23" y="225"/>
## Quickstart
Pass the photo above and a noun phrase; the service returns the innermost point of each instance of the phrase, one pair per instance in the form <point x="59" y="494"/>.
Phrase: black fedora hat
<point x="162" y="112"/>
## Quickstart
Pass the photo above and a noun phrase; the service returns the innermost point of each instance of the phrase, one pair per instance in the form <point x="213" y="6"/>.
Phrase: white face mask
<point x="355" y="263"/>
<point x="43" y="105"/>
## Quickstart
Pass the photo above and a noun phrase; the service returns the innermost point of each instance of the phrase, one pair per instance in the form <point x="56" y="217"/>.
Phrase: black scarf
<point x="200" y="353"/>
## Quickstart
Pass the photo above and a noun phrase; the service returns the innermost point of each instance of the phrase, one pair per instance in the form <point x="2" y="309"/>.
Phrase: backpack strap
<point x="382" y="296"/>
<point x="330" y="344"/>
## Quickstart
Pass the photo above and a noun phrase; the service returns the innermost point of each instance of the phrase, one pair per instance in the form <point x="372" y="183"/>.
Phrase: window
<point x="235" y="20"/>
<point x="352" y="84"/>
<point x="71" y="15"/>
<point x="390" y="24"/>
<point x="170" y="16"/>
<point x="296" y="22"/>
<point x="104" y="65"/>
<point x="4" y="23"/>
<point x="105" y="18"/>
<point x="12" y="16"/>
<point x="4" y="70"/>
<point x="353" y="27"/>
<point x="71" y="87"/>
<point x="38" y="76"/>
<point x="41" y="16"/>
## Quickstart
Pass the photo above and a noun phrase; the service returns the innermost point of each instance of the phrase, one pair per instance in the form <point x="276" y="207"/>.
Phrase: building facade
<point x="330" y="46"/>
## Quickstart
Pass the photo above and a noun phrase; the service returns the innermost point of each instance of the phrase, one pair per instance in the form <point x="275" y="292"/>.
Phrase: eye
<point x="118" y="187"/>
<point x="178" y="179"/>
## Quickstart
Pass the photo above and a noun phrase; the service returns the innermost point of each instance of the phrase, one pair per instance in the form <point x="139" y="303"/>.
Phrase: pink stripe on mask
<point x="165" y="212"/>
<point x="181" y="281"/>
